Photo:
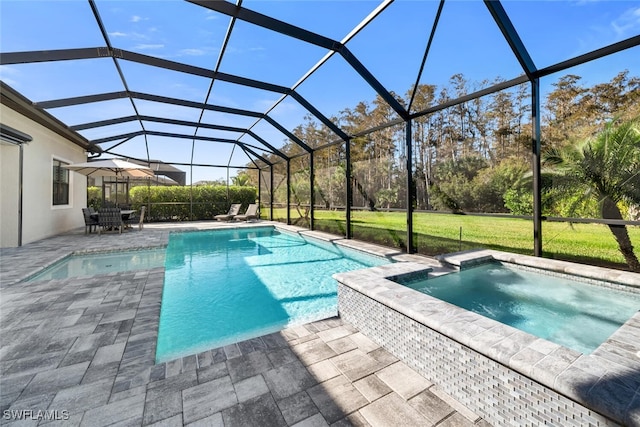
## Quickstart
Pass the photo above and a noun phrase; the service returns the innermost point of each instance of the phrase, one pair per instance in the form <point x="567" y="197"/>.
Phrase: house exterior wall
<point x="9" y="157"/>
<point x="40" y="218"/>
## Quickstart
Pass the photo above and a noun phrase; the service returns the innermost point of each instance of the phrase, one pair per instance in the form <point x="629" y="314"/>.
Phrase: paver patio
<point x="82" y="350"/>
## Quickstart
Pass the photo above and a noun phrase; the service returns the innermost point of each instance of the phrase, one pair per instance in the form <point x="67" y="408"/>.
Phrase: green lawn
<point x="440" y="233"/>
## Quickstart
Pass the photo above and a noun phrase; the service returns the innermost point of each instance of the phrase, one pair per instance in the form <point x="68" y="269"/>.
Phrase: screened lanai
<point x="423" y="125"/>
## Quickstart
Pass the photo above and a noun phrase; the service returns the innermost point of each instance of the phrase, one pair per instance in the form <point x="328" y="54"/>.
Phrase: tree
<point x="241" y="180"/>
<point x="618" y="98"/>
<point x="606" y="167"/>
<point x="424" y="144"/>
<point x="567" y="115"/>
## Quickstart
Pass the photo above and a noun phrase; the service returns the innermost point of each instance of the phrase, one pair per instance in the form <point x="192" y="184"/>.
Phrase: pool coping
<point x="606" y="381"/>
<point x="113" y="243"/>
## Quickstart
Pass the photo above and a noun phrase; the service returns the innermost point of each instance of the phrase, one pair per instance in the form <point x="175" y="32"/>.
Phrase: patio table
<point x="126" y="213"/>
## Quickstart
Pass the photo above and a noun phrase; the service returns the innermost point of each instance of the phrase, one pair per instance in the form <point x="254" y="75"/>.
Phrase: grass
<point x="442" y="233"/>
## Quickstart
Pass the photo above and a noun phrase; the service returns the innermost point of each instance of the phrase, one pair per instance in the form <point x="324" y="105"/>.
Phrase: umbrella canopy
<point x="111" y="167"/>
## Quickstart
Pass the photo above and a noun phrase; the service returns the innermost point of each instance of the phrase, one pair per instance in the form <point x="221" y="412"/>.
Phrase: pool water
<point x="571" y="313"/>
<point x="102" y="263"/>
<point x="226" y="286"/>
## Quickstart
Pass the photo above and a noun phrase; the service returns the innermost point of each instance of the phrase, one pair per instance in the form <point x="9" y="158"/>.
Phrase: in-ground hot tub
<point x="502" y="373"/>
<point x="562" y="309"/>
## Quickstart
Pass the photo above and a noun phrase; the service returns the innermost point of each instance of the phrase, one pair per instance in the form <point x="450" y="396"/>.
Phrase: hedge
<point x="173" y="203"/>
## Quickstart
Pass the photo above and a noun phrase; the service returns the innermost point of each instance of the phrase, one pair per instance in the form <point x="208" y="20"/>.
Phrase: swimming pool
<point x="225" y="286"/>
<point x="568" y="312"/>
<point x="102" y="263"/>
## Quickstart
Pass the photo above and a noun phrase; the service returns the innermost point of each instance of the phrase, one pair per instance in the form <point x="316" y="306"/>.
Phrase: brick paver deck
<point x="82" y="350"/>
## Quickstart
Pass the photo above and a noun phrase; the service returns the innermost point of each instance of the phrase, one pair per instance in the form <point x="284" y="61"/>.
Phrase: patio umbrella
<point x="111" y="167"/>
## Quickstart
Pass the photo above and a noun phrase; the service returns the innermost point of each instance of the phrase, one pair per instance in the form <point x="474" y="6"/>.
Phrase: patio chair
<point x="251" y="213"/>
<point x="137" y="219"/>
<point x="89" y="221"/>
<point x="234" y="210"/>
<point x="110" y="219"/>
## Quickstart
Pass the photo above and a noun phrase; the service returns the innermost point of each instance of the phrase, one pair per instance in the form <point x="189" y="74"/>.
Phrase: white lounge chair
<point x="251" y="213"/>
<point x="233" y="211"/>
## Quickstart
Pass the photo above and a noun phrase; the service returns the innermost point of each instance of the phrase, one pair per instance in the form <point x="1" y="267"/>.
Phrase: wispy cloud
<point x="242" y="50"/>
<point x="192" y="52"/>
<point x="6" y="74"/>
<point x="628" y="23"/>
<point x="583" y="2"/>
<point x="136" y="18"/>
<point x="139" y="36"/>
<point x="286" y="109"/>
<point x="211" y="15"/>
<point x="135" y="36"/>
<point x="149" y="46"/>
<point x="264" y="104"/>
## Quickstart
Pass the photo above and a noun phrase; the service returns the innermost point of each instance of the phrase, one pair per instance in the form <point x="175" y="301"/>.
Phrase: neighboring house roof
<point x="158" y="179"/>
<point x="161" y="168"/>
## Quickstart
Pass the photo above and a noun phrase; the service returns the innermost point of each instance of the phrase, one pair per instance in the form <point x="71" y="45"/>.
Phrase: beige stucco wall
<point x="40" y="218"/>
<point x="9" y="155"/>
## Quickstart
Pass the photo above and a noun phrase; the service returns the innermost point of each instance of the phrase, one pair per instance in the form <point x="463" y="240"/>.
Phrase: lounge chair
<point x="110" y="219"/>
<point x="137" y="219"/>
<point x="89" y="221"/>
<point x="234" y="210"/>
<point x="251" y="213"/>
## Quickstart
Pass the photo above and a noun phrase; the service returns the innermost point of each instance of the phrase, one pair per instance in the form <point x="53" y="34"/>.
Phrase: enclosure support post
<point x="260" y="191"/>
<point x="409" y="189"/>
<point x="537" y="195"/>
<point x="347" y="153"/>
<point x="288" y="192"/>
<point x="312" y="193"/>
<point x="20" y="194"/>
<point x="271" y="193"/>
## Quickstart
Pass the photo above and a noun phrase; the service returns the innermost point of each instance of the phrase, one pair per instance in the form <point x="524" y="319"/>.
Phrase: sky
<point x="467" y="41"/>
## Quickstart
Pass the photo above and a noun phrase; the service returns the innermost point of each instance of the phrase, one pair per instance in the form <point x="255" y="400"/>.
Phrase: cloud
<point x="136" y="18"/>
<point x="6" y="73"/>
<point x="118" y="34"/>
<point x="583" y="2"/>
<point x="139" y="36"/>
<point x="192" y="52"/>
<point x="211" y="15"/>
<point x="264" y="104"/>
<point x="243" y="50"/>
<point x="287" y="108"/>
<point x="10" y="82"/>
<point x="6" y="70"/>
<point x="149" y="46"/>
<point x="628" y="23"/>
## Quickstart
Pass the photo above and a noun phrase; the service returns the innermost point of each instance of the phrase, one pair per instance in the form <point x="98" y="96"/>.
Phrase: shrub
<point x="173" y="203"/>
<point x="94" y="197"/>
<point x="519" y="201"/>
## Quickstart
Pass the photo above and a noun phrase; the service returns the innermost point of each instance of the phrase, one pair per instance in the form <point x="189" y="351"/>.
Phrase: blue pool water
<point x="571" y="313"/>
<point x="102" y="263"/>
<point x="225" y="286"/>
